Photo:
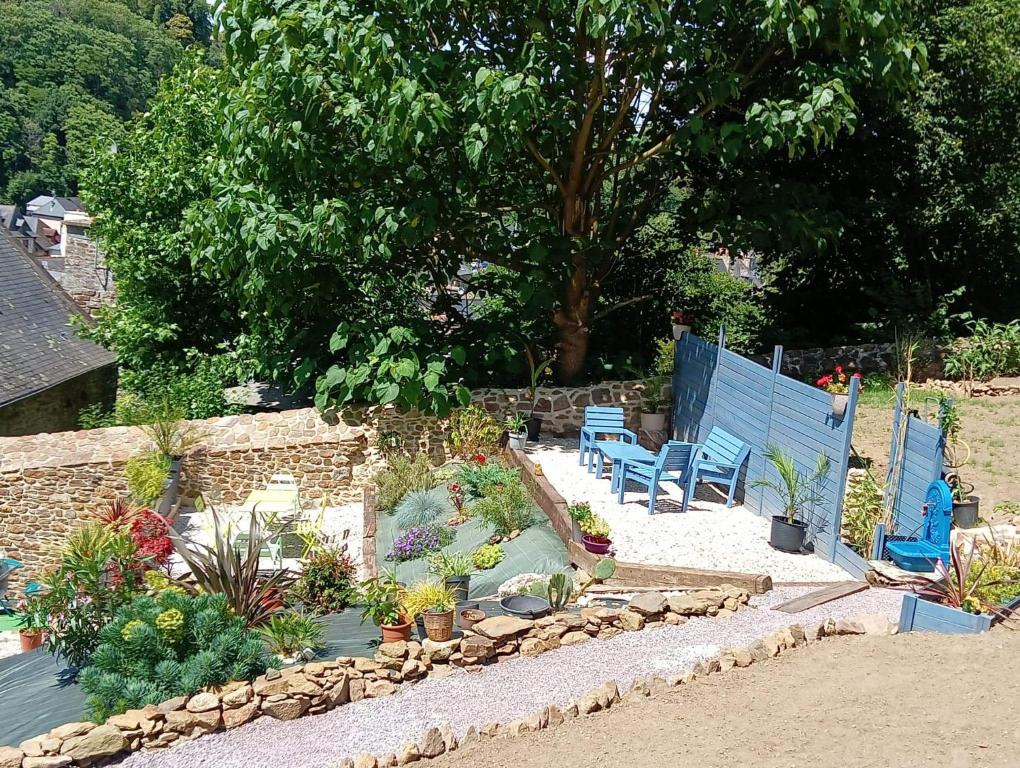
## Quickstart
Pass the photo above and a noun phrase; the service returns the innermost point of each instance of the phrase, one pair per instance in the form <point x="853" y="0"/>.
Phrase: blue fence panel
<point x="921" y="464"/>
<point x="713" y="386"/>
<point x="692" y="386"/>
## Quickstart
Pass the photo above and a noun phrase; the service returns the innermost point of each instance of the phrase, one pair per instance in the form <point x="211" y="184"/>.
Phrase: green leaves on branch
<point x="389" y="367"/>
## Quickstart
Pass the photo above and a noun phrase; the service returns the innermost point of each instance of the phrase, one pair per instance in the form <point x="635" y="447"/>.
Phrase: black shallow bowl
<point x="525" y="606"/>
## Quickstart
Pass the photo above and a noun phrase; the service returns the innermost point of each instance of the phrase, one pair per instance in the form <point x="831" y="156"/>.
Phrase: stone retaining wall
<point x="866" y="358"/>
<point x="50" y="482"/>
<point x="1004" y="386"/>
<point x="321" y="686"/>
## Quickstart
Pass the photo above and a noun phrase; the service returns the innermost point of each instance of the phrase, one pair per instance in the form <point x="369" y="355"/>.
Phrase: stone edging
<point x="1000" y="387"/>
<point x="633" y="574"/>
<point x="437" y="741"/>
<point x="321" y="686"/>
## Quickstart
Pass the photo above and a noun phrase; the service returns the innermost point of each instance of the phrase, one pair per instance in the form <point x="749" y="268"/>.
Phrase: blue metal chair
<point x="599" y="420"/>
<point x="7" y="567"/>
<point x="718" y="461"/>
<point x="671" y="466"/>
<point x="919" y="554"/>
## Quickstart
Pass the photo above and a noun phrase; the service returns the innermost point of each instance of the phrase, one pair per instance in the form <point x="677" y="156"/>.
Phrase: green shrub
<point x="487" y="556"/>
<point x="98" y="573"/>
<point x="506" y="508"/>
<point x="173" y="644"/>
<point x="421" y="508"/>
<point x="473" y="431"/>
<point x="992" y="349"/>
<point x="328" y="581"/>
<point x="474" y="476"/>
<point x="290" y="632"/>
<point x="402" y="476"/>
<point x="146" y="476"/>
<point x="862" y="510"/>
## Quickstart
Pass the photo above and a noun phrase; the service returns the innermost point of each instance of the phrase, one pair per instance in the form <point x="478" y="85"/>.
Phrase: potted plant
<point x="798" y="492"/>
<point x="652" y="418"/>
<point x="682" y="322"/>
<point x="837" y="384"/>
<point x="578" y="511"/>
<point x="955" y="455"/>
<point x="433" y="603"/>
<point x="30" y="631"/>
<point x="534" y="421"/>
<point x="960" y="599"/>
<point x="595" y="536"/>
<point x="455" y="570"/>
<point x="517" y="430"/>
<point x="471" y="616"/>
<point x="383" y="604"/>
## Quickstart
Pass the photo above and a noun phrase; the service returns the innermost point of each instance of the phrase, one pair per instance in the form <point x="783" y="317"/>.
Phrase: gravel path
<point x="707" y="536"/>
<point x="503" y="692"/>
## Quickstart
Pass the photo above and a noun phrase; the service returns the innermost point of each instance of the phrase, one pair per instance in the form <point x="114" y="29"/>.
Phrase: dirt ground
<point x="990" y="425"/>
<point x="911" y="701"/>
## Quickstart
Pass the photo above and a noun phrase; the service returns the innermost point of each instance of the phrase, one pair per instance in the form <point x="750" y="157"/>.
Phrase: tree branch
<point x="537" y="154"/>
<point x="621" y="305"/>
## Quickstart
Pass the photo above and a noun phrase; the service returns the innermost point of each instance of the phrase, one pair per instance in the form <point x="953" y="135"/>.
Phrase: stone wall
<point x="562" y="409"/>
<point x="85" y="276"/>
<point x="57" y="409"/>
<point x="866" y="358"/>
<point x="50" y="482"/>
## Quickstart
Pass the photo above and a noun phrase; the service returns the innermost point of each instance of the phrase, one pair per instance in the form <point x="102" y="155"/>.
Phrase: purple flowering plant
<point x="418" y="542"/>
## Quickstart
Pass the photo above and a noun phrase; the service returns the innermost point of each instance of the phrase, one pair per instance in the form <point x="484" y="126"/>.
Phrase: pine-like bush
<point x="402" y="476"/>
<point x="506" y="507"/>
<point x="171" y="644"/>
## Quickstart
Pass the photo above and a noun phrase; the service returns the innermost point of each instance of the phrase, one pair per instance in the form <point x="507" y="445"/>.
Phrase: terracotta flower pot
<point x="392" y="633"/>
<point x="30" y="640"/>
<point x="599" y="546"/>
<point x="439" y="625"/>
<point x="471" y="616"/>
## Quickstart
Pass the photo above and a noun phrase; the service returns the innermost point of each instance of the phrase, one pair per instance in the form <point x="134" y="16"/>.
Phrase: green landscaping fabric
<point x="35" y="696"/>
<point x="537" y="550"/>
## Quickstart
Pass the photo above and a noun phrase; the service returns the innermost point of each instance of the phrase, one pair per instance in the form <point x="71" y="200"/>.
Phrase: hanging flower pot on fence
<point x="839" y="403"/>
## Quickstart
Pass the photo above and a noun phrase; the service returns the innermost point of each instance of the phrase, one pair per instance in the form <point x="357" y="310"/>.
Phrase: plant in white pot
<point x="837" y="384"/>
<point x="653" y="418"/>
<point x="799" y="492"/>
<point x="682" y="322"/>
<point x="517" y="430"/>
<point x="535" y="371"/>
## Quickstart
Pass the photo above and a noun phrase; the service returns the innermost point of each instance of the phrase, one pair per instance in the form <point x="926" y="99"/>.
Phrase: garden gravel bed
<point x="502" y="692"/>
<point x="708" y="536"/>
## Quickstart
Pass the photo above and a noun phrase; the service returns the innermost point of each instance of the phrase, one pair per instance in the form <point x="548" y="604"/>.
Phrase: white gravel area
<point x="336" y="520"/>
<point x="709" y="535"/>
<point x="502" y="692"/>
<point x="10" y="644"/>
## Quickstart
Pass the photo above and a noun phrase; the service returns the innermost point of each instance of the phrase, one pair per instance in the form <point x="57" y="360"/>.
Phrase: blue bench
<point x="920" y="553"/>
<point x="600" y="420"/>
<point x="717" y="461"/>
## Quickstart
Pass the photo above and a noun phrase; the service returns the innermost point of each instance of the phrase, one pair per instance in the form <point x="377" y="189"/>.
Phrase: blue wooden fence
<point x="915" y="461"/>
<point x="713" y="386"/>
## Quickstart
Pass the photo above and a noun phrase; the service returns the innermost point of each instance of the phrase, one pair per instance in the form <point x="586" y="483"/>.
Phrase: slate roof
<point x="38" y="346"/>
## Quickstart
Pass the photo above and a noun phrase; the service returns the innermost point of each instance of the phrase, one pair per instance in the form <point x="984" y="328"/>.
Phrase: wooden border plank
<point x="822" y="596"/>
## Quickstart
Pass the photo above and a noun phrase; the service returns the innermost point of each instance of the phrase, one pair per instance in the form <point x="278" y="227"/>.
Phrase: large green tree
<point x="372" y="149"/>
<point x="70" y="70"/>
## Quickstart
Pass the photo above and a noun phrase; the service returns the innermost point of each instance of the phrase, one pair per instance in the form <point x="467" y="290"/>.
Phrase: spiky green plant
<point x="559" y="590"/>
<point x="798" y="490"/>
<point x="234" y="572"/>
<point x="402" y="476"/>
<point x="290" y="632"/>
<point x="170" y="644"/>
<point x="506" y="508"/>
<point x="450" y="564"/>
<point x="422" y="508"/>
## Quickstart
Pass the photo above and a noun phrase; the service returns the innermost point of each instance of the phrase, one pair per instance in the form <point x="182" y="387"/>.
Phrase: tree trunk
<point x="573" y="318"/>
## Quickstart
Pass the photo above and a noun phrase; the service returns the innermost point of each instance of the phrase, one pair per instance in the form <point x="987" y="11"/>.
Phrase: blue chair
<point x="599" y="420"/>
<point x="919" y="554"/>
<point x="718" y="461"/>
<point x="7" y="567"/>
<point x="671" y="466"/>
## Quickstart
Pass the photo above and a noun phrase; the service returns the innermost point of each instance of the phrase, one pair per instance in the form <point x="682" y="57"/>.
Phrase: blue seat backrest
<point x="723" y="447"/>
<point x="598" y="416"/>
<point x="938" y="518"/>
<point x="674" y="456"/>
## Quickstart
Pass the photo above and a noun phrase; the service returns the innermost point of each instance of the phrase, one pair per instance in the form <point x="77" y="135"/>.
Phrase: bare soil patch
<point x="911" y="701"/>
<point x="990" y="426"/>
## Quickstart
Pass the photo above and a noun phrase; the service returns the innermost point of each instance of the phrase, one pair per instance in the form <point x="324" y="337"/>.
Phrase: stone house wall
<point x="57" y="409"/>
<point x="85" y="276"/>
<point x="50" y="482"/>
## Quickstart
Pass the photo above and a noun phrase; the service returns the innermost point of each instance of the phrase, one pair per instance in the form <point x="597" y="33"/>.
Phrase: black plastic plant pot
<point x="965" y="513"/>
<point x="534" y="425"/>
<point x="787" y="537"/>
<point x="459" y="585"/>
<point x="419" y="623"/>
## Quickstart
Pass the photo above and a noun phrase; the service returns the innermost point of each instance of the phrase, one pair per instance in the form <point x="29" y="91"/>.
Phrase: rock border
<point x="320" y="686"/>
